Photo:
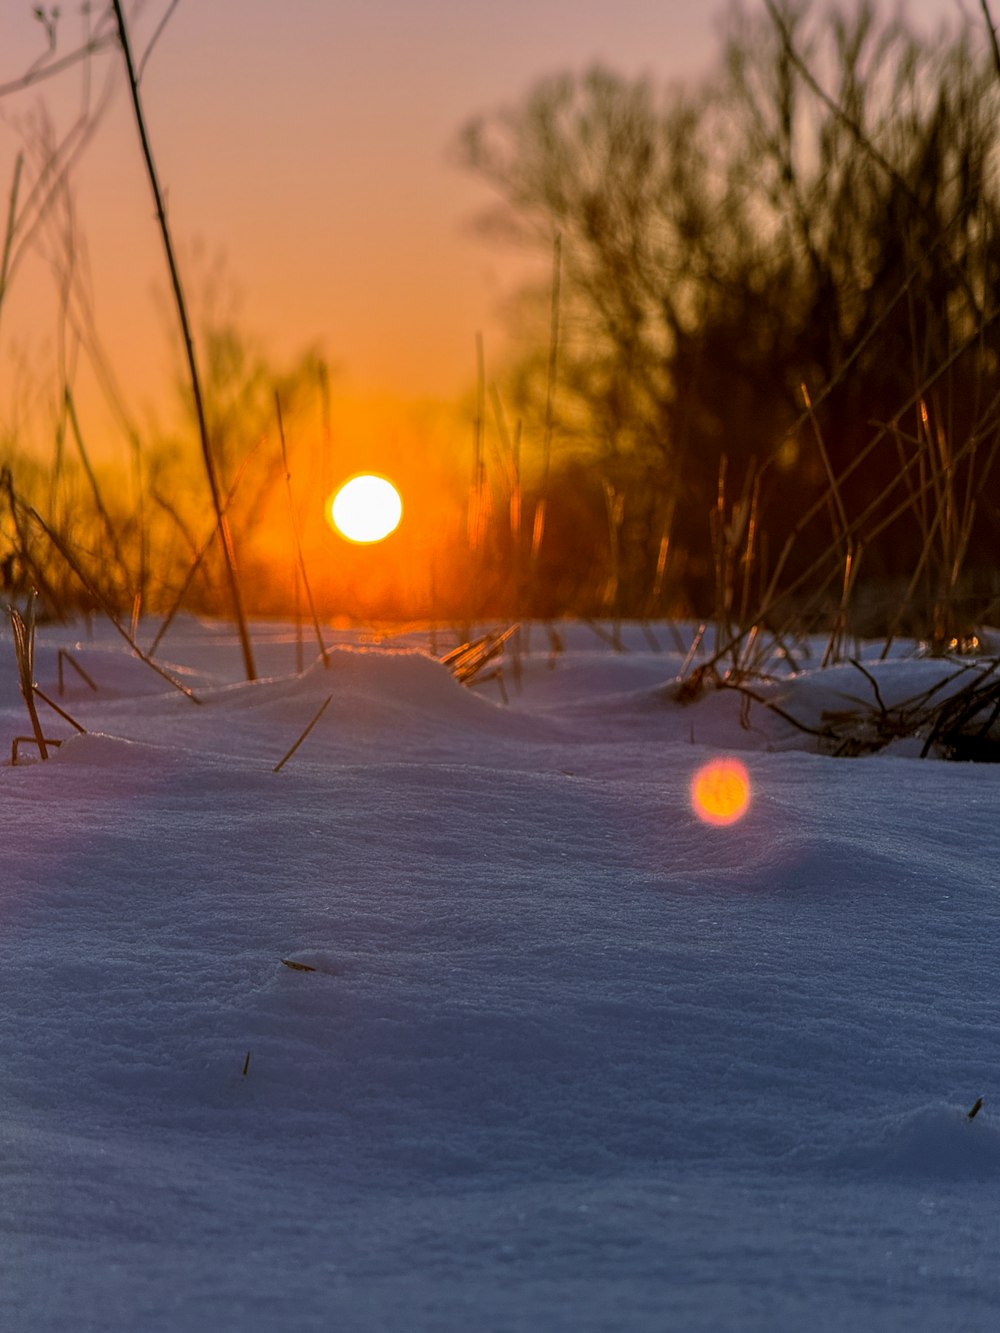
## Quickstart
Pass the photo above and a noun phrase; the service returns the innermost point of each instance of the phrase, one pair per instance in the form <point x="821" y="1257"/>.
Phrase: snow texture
<point x="566" y="1059"/>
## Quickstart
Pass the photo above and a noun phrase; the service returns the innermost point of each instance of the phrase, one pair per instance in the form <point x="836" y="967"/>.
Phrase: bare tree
<point x="817" y="223"/>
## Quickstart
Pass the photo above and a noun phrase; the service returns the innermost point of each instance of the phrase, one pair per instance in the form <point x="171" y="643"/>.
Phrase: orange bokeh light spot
<point x="365" y="509"/>
<point x="720" y="792"/>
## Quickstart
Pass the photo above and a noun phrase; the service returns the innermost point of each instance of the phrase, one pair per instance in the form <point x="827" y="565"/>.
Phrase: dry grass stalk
<point x="468" y="661"/>
<point x="946" y="525"/>
<point x="195" y="378"/>
<point x="99" y="506"/>
<point x="316" y="717"/>
<point x="955" y="723"/>
<point x="511" y="462"/>
<point x="776" y="591"/>
<point x="64" y="655"/>
<point x="961" y="725"/>
<point x="614" y="509"/>
<point x="835" y="644"/>
<point x="24" y="651"/>
<point x="34" y="571"/>
<point x="199" y="552"/>
<point x="99" y="600"/>
<point x="296" y="531"/>
<point x="61" y="712"/>
<point x="8" y="240"/>
<point x="551" y="382"/>
<point x="477" y="516"/>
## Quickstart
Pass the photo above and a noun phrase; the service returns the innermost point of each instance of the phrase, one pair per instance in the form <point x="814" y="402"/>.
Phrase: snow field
<point x="569" y="1058"/>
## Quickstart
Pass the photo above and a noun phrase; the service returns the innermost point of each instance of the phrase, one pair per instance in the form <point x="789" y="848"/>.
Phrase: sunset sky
<point x="308" y="147"/>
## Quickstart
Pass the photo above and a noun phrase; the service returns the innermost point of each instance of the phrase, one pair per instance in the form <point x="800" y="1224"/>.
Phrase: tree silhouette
<point x="781" y="283"/>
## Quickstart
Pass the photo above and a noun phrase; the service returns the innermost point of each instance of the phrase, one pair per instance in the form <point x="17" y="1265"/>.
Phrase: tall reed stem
<point x="175" y="282"/>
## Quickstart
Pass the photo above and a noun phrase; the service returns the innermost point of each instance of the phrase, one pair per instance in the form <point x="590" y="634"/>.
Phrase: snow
<point x="569" y="1058"/>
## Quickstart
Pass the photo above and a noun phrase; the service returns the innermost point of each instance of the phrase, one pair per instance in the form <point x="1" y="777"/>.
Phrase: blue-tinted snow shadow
<point x="933" y="1144"/>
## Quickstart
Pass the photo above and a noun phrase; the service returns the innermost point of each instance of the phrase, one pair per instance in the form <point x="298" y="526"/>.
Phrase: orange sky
<point x="307" y="144"/>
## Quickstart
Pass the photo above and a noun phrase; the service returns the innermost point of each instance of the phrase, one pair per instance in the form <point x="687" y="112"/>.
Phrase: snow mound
<point x="406" y="682"/>
<point x="98" y="750"/>
<point x="106" y="671"/>
<point x="376" y="699"/>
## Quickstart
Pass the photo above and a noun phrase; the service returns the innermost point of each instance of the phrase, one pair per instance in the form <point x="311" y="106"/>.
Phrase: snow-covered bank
<point x="570" y="1059"/>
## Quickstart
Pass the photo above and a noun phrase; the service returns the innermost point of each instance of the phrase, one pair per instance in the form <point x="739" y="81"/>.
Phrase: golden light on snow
<point x="720" y="792"/>
<point x="365" y="509"/>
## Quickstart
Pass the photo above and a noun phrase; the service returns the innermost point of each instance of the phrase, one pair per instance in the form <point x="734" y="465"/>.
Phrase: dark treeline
<point x="762" y="384"/>
<point x="778" y="360"/>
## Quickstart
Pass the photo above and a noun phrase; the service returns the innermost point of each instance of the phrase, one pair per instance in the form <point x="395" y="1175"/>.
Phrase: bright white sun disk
<point x="366" y="509"/>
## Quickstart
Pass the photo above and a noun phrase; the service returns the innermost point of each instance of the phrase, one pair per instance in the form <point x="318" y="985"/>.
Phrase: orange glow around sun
<point x="365" y="509"/>
<point x="720" y="792"/>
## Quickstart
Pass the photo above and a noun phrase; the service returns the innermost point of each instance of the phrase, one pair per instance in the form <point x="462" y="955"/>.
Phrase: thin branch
<point x="873" y="683"/>
<point x="824" y="734"/>
<point x="991" y="27"/>
<point x="156" y="37"/>
<point x="856" y="131"/>
<point x="100" y="43"/>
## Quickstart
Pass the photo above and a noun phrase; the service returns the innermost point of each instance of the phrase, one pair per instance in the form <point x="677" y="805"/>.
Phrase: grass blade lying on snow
<point x="316" y="717"/>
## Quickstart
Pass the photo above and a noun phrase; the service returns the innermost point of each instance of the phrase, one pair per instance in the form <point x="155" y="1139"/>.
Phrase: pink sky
<point x="308" y="144"/>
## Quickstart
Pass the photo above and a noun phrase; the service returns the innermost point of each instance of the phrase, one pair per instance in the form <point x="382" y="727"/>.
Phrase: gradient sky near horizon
<point x="307" y="144"/>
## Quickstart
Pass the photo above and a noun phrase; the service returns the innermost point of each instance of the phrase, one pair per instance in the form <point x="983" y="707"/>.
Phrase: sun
<point x="365" y="509"/>
<point x="720" y="792"/>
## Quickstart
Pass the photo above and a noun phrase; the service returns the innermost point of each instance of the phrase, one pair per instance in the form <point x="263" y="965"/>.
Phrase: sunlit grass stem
<point x="24" y="651"/>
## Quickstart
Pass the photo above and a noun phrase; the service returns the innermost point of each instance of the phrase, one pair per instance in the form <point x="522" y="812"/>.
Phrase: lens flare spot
<point x="720" y="792"/>
<point x="365" y="509"/>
